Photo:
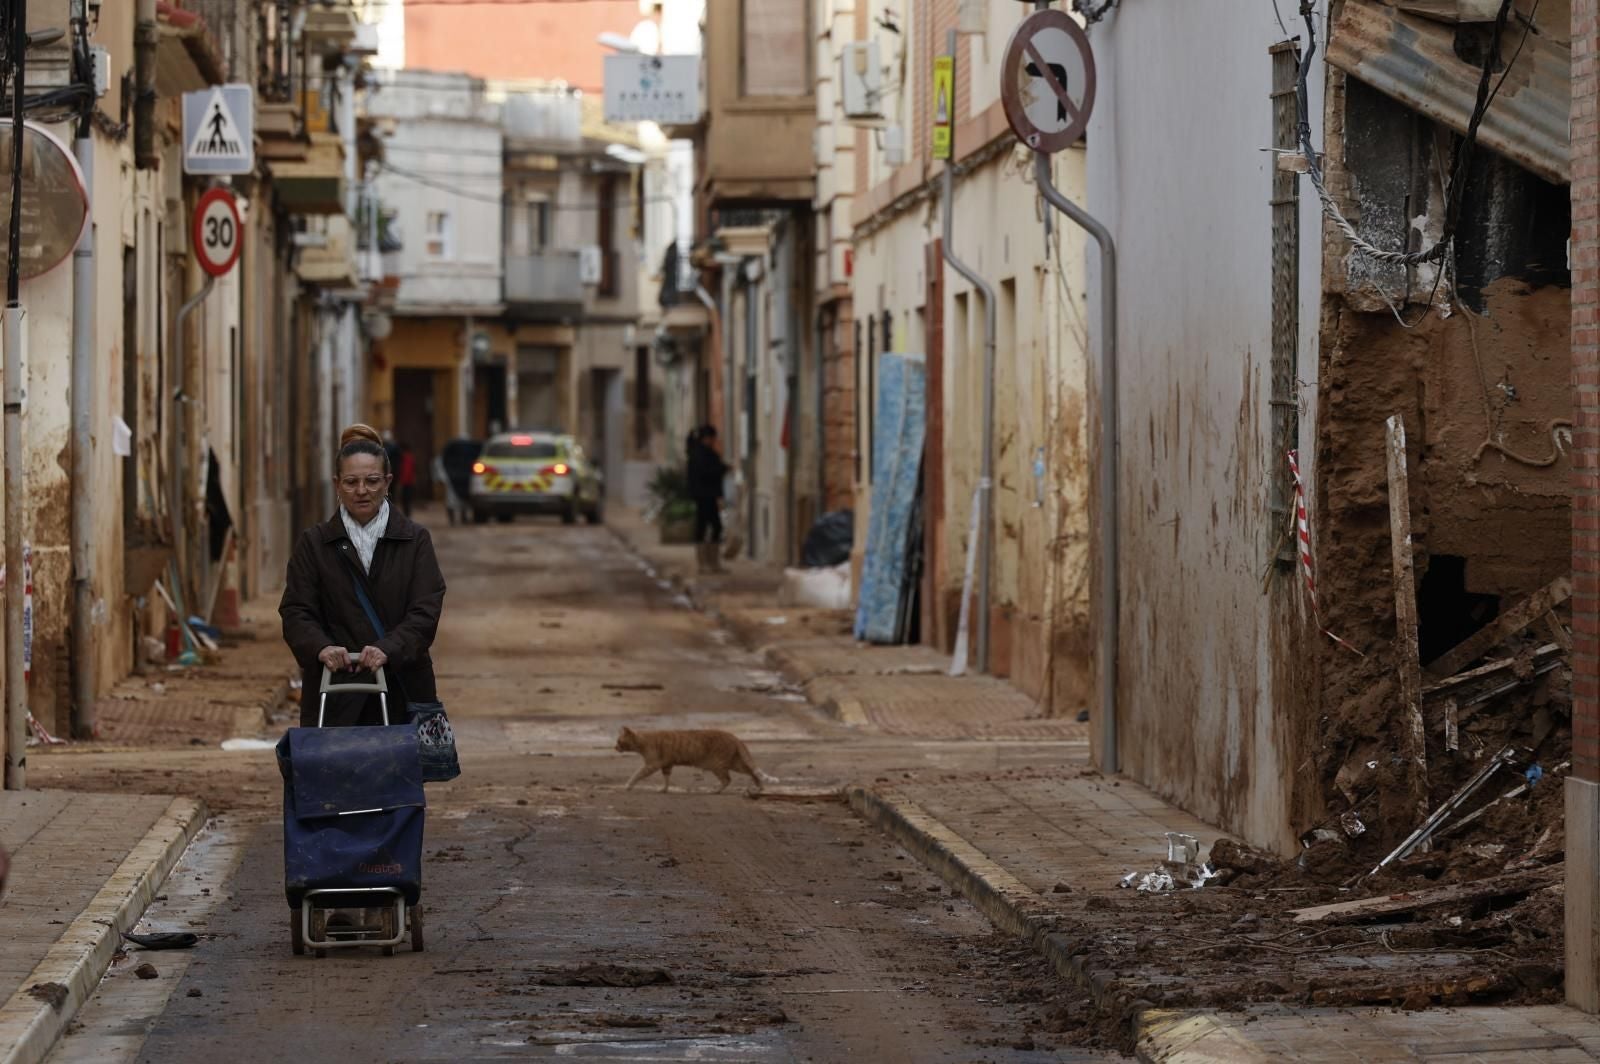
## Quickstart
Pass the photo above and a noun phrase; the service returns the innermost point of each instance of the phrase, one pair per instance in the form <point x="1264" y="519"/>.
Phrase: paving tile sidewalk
<point x="234" y="696"/>
<point x="1032" y="847"/>
<point x="83" y="869"/>
<point x="899" y="690"/>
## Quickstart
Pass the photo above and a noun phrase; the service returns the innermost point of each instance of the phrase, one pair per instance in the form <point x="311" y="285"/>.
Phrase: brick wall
<point x="1586" y="398"/>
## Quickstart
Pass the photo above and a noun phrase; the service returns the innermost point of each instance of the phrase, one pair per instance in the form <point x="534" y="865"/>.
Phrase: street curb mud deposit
<point x="30" y="1025"/>
<point x="1009" y="904"/>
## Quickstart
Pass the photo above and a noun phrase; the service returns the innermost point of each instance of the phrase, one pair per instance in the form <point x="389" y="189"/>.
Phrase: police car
<point x="535" y="473"/>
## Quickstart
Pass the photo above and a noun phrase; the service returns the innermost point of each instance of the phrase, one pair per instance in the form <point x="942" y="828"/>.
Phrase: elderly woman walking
<point x="363" y="591"/>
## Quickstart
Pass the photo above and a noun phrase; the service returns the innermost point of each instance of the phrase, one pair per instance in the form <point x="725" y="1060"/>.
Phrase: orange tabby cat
<point x="716" y="752"/>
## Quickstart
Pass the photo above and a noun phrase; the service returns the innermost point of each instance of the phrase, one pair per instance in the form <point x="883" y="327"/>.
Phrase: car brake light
<point x="522" y="441"/>
<point x="560" y="469"/>
<point x="479" y="468"/>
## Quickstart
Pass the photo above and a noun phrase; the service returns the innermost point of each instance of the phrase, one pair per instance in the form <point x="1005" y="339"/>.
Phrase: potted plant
<point x="671" y="507"/>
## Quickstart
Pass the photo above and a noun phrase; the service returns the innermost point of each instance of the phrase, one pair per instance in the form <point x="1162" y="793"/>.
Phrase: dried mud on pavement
<point x="566" y="916"/>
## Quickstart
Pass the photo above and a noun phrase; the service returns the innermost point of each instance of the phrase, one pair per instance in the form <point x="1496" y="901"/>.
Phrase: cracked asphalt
<point x="778" y="928"/>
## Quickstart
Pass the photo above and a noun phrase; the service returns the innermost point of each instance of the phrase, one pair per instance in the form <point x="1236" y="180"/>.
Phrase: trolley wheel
<point x="297" y="939"/>
<point x="416" y="928"/>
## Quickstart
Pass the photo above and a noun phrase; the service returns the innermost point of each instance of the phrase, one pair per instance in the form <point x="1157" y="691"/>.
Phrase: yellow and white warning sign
<point x="944" y="91"/>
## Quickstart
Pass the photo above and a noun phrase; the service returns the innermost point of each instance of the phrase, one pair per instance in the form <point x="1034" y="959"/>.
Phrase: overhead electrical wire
<point x="422" y="178"/>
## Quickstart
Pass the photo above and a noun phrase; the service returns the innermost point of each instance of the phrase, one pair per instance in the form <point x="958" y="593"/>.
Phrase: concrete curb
<point x="29" y="1026"/>
<point x="1173" y="1037"/>
<point x="1164" y="1035"/>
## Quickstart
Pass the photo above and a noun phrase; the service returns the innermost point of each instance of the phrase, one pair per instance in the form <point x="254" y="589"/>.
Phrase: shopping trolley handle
<point x="379" y="686"/>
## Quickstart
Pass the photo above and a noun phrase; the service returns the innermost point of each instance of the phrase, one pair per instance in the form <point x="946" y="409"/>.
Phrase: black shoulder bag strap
<point x="377" y="625"/>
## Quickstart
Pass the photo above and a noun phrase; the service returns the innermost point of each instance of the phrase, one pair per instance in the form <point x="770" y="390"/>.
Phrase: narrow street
<point x="782" y="928"/>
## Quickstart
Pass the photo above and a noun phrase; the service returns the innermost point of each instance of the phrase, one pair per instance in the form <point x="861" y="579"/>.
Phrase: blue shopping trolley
<point x="353" y="812"/>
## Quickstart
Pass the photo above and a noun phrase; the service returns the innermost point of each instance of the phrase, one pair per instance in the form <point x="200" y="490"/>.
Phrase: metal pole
<point x="178" y="446"/>
<point x="15" y="395"/>
<point x="986" y="471"/>
<point x="1110" y="616"/>
<point x="83" y="493"/>
<point x="700" y="293"/>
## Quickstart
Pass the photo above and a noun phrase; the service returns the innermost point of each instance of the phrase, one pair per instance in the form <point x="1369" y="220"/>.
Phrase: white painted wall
<point x="443" y="155"/>
<point x="1177" y="171"/>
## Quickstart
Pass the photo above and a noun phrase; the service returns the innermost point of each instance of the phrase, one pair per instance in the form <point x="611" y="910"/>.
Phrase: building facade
<point x="173" y="488"/>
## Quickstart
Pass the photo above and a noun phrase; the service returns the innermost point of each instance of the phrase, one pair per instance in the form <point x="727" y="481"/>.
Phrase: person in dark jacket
<point x="366" y="543"/>
<point x="705" y="472"/>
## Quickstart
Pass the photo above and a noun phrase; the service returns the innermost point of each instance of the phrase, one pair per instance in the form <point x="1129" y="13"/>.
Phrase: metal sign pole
<point x="1110" y="590"/>
<point x="15" y="394"/>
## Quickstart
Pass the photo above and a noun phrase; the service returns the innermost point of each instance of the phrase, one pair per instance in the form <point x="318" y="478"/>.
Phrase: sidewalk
<point x="894" y="690"/>
<point x="83" y="869"/>
<point x="1220" y="974"/>
<point x="234" y="696"/>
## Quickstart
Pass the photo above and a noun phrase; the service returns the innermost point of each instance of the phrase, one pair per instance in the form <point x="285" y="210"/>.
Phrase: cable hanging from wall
<point x="1453" y="190"/>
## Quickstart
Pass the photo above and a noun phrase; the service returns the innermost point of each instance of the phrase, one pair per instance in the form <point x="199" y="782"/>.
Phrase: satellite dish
<point x="379" y="326"/>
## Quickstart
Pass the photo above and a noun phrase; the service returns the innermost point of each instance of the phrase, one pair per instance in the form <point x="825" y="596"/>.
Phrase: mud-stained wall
<point x="1039" y="617"/>
<point x="1210" y="686"/>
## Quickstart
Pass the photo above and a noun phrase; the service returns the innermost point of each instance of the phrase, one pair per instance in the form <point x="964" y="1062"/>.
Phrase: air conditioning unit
<point x="590" y="267"/>
<point x="861" y="82"/>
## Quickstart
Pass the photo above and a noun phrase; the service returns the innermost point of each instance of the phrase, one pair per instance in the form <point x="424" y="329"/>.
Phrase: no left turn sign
<point x="1047" y="81"/>
<point x="217" y="234"/>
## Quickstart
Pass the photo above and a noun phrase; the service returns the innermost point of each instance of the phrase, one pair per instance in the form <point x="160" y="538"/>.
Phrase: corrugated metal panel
<point x="1414" y="61"/>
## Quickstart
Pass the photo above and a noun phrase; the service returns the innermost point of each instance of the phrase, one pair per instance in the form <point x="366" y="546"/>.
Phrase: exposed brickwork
<point x="1586" y="397"/>
<point x="839" y="410"/>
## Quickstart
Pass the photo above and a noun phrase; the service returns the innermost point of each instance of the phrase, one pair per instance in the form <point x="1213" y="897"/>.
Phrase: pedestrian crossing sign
<point x="219" y="130"/>
<point x="944" y="80"/>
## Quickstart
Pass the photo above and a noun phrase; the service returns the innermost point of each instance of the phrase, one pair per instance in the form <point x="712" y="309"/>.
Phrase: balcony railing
<point x="544" y="285"/>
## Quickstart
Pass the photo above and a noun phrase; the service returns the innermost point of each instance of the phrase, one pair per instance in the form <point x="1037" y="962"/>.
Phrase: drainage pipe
<point x="177" y="448"/>
<point x="15" y="392"/>
<point x="146" y="39"/>
<point x="712" y="414"/>
<point x="83" y="495"/>
<point x="986" y="471"/>
<point x="1110" y="616"/>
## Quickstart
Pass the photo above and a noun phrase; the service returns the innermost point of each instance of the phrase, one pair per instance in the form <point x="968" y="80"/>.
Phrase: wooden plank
<point x="1405" y="613"/>
<point x="1488" y="669"/>
<point x="1503" y="627"/>
<point x="1389" y="905"/>
<point x="1558" y="631"/>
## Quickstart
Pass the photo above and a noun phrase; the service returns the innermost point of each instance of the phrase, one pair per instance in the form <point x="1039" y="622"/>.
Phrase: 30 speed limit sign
<point x="217" y="233"/>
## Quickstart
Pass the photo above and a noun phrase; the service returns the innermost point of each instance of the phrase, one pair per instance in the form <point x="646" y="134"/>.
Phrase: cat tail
<point x="750" y="765"/>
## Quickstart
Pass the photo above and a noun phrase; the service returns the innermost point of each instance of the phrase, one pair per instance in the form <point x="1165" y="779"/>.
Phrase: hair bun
<point x="359" y="432"/>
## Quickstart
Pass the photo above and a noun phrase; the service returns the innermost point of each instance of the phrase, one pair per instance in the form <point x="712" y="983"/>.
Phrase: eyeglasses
<point x="352" y="483"/>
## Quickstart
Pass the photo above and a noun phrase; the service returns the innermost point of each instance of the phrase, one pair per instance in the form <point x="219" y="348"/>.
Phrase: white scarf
<point x="366" y="536"/>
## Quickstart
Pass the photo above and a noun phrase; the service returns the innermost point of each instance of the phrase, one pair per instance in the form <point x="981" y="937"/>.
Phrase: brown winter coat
<point x="320" y="609"/>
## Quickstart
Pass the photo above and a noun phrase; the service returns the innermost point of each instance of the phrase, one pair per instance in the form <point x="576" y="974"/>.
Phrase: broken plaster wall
<point x="1482" y="381"/>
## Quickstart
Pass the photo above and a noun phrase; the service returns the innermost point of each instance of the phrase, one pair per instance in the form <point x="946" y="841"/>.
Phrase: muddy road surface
<point x="566" y="916"/>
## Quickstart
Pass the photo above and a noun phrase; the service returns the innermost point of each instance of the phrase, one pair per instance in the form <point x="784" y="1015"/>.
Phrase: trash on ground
<point x="820" y="588"/>
<point x="248" y="744"/>
<point x="1447" y="809"/>
<point x="163" y="939"/>
<point x="147" y="971"/>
